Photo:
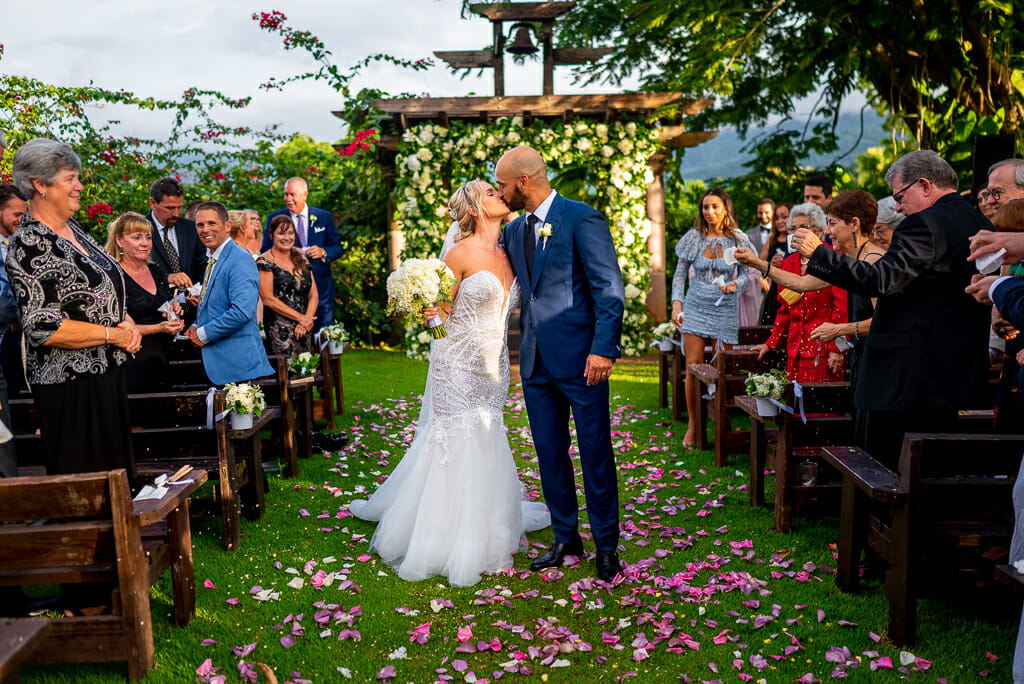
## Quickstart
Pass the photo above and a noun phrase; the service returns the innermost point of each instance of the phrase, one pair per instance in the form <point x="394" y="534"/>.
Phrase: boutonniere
<point x="544" y="232"/>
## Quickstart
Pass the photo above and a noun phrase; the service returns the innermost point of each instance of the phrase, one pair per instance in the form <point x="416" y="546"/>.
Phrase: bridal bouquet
<point x="244" y="398"/>
<point x="305" y="363"/>
<point x="418" y="283"/>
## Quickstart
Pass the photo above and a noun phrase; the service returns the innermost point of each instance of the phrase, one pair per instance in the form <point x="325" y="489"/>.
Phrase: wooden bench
<point x="672" y="366"/>
<point x="727" y="374"/>
<point x="169" y="430"/>
<point x="829" y="422"/>
<point x="952" y="493"/>
<point x="95" y="533"/>
<point x="19" y="637"/>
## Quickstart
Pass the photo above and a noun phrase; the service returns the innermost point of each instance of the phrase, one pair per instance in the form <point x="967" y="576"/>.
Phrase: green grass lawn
<point x="713" y="594"/>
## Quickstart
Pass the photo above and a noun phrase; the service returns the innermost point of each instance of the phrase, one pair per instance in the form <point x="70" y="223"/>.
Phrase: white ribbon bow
<point x="798" y="393"/>
<point x="210" y="418"/>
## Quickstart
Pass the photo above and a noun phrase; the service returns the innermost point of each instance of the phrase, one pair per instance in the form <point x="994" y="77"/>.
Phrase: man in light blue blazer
<point x="317" y="237"/>
<point x="225" y="327"/>
<point x="571" y="320"/>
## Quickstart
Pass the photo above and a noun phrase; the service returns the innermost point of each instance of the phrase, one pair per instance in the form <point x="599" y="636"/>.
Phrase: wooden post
<point x="498" y="59"/>
<point x="656" y="295"/>
<point x="549" y="58"/>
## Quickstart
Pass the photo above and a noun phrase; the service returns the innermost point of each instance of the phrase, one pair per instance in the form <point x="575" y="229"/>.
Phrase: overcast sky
<point x="160" y="49"/>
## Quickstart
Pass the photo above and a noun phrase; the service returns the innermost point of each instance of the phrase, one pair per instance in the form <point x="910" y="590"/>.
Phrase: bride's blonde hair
<point x="469" y="195"/>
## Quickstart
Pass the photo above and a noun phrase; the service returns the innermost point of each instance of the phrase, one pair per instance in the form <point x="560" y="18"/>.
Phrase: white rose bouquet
<point x="244" y="398"/>
<point x="305" y="363"/>
<point x="769" y="385"/>
<point x="418" y="283"/>
<point x="335" y="332"/>
<point x="664" y="331"/>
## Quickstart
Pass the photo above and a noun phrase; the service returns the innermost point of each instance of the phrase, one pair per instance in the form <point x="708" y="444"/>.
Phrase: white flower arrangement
<point x="244" y="397"/>
<point x="418" y="283"/>
<point x="664" y="331"/>
<point x="335" y="332"/>
<point x="769" y="385"/>
<point x="305" y="363"/>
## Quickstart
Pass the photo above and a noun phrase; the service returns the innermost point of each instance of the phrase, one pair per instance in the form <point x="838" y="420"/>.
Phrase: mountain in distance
<point x="723" y="156"/>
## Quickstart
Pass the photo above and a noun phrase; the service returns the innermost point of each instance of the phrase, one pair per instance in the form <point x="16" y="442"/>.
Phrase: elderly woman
<point x="852" y="214"/>
<point x="78" y="334"/>
<point x="146" y="290"/>
<point x="709" y="309"/>
<point x="287" y="290"/>
<point x="888" y="220"/>
<point x="809" y="359"/>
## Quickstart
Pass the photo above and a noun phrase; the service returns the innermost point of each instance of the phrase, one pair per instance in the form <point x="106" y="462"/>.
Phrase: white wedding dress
<point x="454" y="505"/>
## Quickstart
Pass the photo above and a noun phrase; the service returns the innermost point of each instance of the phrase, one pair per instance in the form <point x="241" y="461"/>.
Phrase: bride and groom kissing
<point x="454" y="505"/>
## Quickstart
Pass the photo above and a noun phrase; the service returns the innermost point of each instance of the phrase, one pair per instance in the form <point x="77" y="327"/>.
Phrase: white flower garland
<point x="433" y="160"/>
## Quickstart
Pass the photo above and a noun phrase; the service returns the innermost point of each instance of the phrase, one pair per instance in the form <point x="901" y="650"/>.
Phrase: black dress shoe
<point x="608" y="565"/>
<point x="554" y="556"/>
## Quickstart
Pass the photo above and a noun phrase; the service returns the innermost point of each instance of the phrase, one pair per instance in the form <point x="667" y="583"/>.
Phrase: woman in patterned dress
<point x="287" y="290"/>
<point x="708" y="310"/>
<point x="78" y="334"/>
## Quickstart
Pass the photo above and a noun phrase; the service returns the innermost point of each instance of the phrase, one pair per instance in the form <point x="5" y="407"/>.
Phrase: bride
<point x="454" y="505"/>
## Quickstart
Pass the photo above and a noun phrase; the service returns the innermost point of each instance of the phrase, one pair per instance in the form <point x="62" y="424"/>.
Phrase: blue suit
<point x="572" y="307"/>
<point x="227" y="316"/>
<point x="322" y="233"/>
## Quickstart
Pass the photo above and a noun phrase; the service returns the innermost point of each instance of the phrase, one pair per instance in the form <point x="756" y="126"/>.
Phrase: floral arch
<point x="605" y="165"/>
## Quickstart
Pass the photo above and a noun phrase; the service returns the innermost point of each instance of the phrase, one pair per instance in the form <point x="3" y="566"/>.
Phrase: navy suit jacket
<point x="227" y="316"/>
<point x="574" y="303"/>
<point x="1009" y="299"/>
<point x="322" y="233"/>
<point x="928" y="345"/>
<point x="191" y="252"/>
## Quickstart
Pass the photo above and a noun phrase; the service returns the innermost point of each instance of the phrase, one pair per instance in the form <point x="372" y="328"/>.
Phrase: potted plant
<point x="764" y="387"/>
<point x="245" y="401"/>
<point x="663" y="334"/>
<point x="305" y="363"/>
<point x="335" y="336"/>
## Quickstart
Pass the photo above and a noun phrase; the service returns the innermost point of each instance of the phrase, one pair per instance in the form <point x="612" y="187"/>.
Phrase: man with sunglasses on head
<point x="927" y="354"/>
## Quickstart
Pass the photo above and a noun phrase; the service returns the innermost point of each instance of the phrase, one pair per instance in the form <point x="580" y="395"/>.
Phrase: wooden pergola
<point x="409" y="112"/>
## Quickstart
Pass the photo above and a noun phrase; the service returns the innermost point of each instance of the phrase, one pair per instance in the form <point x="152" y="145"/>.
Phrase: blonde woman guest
<point x="256" y="231"/>
<point x="708" y="310"/>
<point x="130" y="241"/>
<point x="287" y="290"/>
<point x="78" y="334"/>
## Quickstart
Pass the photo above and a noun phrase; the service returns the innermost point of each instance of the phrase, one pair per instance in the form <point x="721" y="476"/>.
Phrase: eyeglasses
<point x="898" y="196"/>
<point x="804" y="226"/>
<point x="995" y="195"/>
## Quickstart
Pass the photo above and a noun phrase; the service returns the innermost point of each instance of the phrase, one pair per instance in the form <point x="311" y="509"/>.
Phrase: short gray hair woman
<point x="811" y="211"/>
<point x="71" y="300"/>
<point x="888" y="220"/>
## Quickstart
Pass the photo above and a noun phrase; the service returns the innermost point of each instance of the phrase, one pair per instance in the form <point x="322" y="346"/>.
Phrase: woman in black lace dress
<point x="146" y="290"/>
<point x="287" y="290"/>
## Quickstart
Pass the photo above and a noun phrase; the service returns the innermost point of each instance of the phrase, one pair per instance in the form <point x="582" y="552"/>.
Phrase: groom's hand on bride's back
<point x="598" y="369"/>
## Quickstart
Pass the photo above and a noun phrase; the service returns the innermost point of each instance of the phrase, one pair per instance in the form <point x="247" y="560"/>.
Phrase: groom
<point x="562" y="254"/>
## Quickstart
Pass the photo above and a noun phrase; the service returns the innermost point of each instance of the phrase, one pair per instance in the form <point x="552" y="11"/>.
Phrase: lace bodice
<point x="470" y="364"/>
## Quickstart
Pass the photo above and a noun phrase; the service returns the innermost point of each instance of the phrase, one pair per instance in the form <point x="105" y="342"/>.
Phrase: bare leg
<point x="693" y="346"/>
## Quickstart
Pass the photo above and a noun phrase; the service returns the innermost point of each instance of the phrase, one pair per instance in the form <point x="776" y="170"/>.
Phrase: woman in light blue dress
<point x="708" y="310"/>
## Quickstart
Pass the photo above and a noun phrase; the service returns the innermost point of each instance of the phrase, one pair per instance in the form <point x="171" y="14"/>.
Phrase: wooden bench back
<point x="88" y="530"/>
<point x="754" y="334"/>
<point x="960" y="477"/>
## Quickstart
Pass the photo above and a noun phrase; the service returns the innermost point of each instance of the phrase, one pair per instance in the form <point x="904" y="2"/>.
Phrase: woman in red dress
<point x="807" y="360"/>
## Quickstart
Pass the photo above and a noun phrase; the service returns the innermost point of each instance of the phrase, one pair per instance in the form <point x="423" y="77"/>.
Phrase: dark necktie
<point x="172" y="254"/>
<point x="530" y="242"/>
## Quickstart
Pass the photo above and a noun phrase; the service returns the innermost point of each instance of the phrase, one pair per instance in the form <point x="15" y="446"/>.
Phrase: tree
<point x="942" y="71"/>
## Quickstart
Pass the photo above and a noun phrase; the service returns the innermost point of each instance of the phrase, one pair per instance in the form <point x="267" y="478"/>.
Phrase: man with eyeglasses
<point x="1005" y="184"/>
<point x="926" y="355"/>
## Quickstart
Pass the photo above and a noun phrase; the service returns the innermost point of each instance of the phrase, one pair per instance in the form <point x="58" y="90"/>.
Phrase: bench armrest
<point x="704" y="372"/>
<point x="150" y="511"/>
<point x="870" y="476"/>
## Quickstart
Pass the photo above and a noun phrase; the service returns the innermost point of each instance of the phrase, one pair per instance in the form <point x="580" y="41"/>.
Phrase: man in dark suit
<point x="927" y="353"/>
<point x="176" y="247"/>
<point x="571" y="320"/>
<point x="225" y="329"/>
<point x="317" y="237"/>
